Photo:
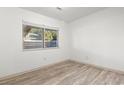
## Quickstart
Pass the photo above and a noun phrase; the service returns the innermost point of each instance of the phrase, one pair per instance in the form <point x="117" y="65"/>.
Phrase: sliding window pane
<point x="50" y="38"/>
<point x="32" y="37"/>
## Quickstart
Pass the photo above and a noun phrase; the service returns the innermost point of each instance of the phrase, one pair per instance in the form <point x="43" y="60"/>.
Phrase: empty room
<point x="62" y="46"/>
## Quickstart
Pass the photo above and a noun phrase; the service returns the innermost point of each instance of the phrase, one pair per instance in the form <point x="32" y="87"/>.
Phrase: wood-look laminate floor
<point x="67" y="73"/>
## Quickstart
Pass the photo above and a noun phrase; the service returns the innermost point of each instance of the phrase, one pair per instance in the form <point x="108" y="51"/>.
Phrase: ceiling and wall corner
<point x="67" y="14"/>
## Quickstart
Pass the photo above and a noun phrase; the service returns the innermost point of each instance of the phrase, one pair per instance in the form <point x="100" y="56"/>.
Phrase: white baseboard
<point x="69" y="60"/>
<point x="34" y="69"/>
<point x="101" y="67"/>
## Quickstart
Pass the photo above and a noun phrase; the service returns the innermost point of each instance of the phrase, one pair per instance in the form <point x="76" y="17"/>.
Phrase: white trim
<point x="34" y="69"/>
<point x="32" y="24"/>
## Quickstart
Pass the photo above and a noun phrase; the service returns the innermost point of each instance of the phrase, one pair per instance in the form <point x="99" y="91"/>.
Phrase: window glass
<point x="33" y="37"/>
<point x="50" y="38"/>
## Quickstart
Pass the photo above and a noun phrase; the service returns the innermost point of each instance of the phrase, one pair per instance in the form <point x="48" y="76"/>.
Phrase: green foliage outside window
<point x="50" y="35"/>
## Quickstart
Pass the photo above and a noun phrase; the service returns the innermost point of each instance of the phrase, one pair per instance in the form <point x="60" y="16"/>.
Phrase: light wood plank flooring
<point x="67" y="73"/>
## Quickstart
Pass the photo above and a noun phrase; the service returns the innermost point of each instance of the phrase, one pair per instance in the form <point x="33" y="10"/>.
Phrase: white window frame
<point x="43" y="27"/>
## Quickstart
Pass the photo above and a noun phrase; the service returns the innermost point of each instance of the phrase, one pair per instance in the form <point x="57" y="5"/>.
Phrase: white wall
<point x="96" y="39"/>
<point x="99" y="38"/>
<point x="12" y="58"/>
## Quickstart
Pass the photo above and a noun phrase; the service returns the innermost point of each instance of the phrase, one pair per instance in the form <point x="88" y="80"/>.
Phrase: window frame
<point x="57" y="31"/>
<point x="42" y="27"/>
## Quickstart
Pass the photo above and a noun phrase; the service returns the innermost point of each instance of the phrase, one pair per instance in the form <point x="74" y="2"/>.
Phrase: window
<point x="50" y="38"/>
<point x="35" y="37"/>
